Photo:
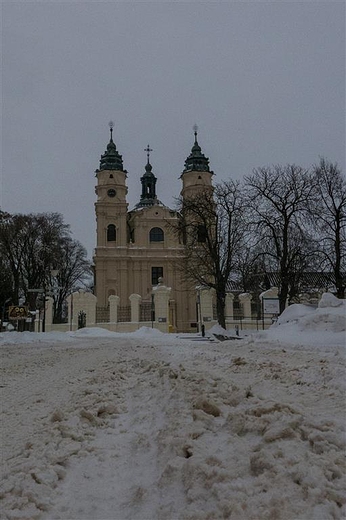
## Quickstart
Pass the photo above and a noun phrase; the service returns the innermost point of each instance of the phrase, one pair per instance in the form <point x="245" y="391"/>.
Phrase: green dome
<point x="111" y="159"/>
<point x="196" y="161"/>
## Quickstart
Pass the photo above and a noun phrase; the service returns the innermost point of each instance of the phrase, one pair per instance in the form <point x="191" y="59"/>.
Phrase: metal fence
<point x="124" y="313"/>
<point x="102" y="314"/>
<point x="146" y="311"/>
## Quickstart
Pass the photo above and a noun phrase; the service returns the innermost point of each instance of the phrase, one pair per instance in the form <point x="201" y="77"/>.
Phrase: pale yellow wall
<point x="124" y="267"/>
<point x="195" y="181"/>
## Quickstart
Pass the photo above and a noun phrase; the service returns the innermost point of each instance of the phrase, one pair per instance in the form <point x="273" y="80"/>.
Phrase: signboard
<point x="271" y="306"/>
<point x="18" y="312"/>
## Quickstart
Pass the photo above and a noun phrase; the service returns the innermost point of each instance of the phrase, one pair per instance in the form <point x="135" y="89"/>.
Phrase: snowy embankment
<point x="148" y="426"/>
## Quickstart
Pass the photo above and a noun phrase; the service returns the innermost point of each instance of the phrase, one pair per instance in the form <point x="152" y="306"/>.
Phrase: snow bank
<point x="33" y="338"/>
<point x="92" y="332"/>
<point x="321" y="327"/>
<point x="150" y="426"/>
<point x="147" y="331"/>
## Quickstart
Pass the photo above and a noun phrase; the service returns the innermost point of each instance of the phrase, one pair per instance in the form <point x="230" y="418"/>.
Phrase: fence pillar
<point x="206" y="302"/>
<point x="113" y="301"/>
<point x="135" y="300"/>
<point x="49" y="303"/>
<point x="161" y="300"/>
<point x="229" y="306"/>
<point x="245" y="300"/>
<point x="82" y="301"/>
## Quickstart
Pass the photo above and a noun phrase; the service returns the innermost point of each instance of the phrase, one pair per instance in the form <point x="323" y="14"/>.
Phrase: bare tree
<point x="279" y="198"/>
<point x="328" y="209"/>
<point x="212" y="229"/>
<point x="30" y="247"/>
<point x="74" y="272"/>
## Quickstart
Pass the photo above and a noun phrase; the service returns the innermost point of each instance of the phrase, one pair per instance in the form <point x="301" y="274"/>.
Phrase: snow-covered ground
<point x="150" y="426"/>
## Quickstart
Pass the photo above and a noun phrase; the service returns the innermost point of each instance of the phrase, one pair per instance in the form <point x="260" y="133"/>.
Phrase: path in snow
<point x="110" y="430"/>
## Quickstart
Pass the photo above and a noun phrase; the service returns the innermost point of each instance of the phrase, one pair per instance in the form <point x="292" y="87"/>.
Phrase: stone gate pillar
<point x="49" y="303"/>
<point x="135" y="300"/>
<point x="161" y="299"/>
<point x="113" y="301"/>
<point x="82" y="301"/>
<point x="206" y="302"/>
<point x="245" y="300"/>
<point x="229" y="306"/>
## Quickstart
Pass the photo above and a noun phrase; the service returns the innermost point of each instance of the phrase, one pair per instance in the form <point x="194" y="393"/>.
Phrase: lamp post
<point x="43" y="291"/>
<point x="199" y="310"/>
<point x="4" y="309"/>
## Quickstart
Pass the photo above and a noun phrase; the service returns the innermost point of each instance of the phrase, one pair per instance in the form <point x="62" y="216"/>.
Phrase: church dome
<point x="111" y="159"/>
<point x="196" y="161"/>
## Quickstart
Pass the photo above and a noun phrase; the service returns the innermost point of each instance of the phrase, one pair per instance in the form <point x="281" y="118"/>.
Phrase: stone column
<point x="161" y="300"/>
<point x="229" y="306"/>
<point x="206" y="302"/>
<point x="71" y="323"/>
<point x="245" y="300"/>
<point x="113" y="301"/>
<point x="135" y="300"/>
<point x="82" y="301"/>
<point x="49" y="313"/>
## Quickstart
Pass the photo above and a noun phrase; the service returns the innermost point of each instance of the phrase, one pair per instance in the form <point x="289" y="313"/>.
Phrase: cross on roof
<point x="148" y="150"/>
<point x="111" y="125"/>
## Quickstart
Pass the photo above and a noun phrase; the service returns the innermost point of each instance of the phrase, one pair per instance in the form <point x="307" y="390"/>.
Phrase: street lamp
<point x="43" y="291"/>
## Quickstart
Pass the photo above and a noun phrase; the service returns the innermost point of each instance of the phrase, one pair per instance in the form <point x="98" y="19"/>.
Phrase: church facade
<point x="138" y="249"/>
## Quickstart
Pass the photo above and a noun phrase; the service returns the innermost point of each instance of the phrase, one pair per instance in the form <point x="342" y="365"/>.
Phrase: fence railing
<point x="124" y="313"/>
<point x="146" y="311"/>
<point x="102" y="314"/>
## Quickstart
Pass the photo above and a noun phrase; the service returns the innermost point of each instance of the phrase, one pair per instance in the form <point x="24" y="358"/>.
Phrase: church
<point x="138" y="249"/>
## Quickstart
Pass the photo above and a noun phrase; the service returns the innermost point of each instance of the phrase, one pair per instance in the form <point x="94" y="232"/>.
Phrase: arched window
<point x="201" y="233"/>
<point x="156" y="235"/>
<point x="111" y="233"/>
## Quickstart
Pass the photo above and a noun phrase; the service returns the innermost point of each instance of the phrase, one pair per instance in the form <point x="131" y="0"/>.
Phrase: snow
<point x="145" y="425"/>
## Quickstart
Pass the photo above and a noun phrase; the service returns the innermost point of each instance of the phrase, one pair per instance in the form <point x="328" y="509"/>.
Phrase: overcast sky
<point x="264" y="81"/>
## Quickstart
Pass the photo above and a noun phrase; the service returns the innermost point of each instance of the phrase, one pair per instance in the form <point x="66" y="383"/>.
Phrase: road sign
<point x="18" y="312"/>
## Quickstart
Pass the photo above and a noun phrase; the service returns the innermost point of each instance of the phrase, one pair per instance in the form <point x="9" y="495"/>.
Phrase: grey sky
<point x="264" y="81"/>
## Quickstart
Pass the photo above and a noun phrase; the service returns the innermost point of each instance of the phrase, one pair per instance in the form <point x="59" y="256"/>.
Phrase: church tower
<point x="196" y="175"/>
<point x="111" y="217"/>
<point x="139" y="249"/>
<point x="148" y="196"/>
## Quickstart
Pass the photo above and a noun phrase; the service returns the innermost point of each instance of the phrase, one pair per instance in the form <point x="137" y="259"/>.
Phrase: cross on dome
<point x="111" y="125"/>
<point x="148" y="150"/>
<point x="195" y="129"/>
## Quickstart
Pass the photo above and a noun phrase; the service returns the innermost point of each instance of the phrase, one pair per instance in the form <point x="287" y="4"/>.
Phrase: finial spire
<point x="148" y="150"/>
<point x="195" y="129"/>
<point x="111" y="125"/>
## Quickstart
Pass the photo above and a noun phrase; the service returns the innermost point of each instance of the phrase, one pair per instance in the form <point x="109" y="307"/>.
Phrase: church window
<point x="111" y="233"/>
<point x="156" y="235"/>
<point x="201" y="233"/>
<point x="156" y="273"/>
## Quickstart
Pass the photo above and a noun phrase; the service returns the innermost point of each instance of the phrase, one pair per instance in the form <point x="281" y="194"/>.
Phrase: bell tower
<point x="197" y="175"/>
<point x="148" y="181"/>
<point x="111" y="190"/>
<point x="111" y="222"/>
